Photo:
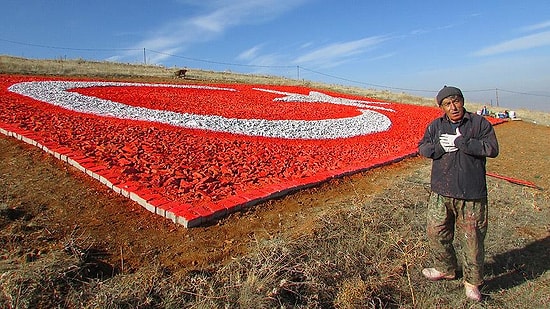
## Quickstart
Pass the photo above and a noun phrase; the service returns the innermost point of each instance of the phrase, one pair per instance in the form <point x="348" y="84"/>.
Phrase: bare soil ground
<point x="59" y="202"/>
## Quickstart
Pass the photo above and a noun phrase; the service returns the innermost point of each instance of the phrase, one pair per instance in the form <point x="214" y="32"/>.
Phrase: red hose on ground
<point x="514" y="180"/>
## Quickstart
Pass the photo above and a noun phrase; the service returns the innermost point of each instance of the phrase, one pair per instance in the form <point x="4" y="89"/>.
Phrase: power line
<point x="69" y="48"/>
<point x="212" y="62"/>
<point x="509" y="91"/>
<point x="364" y="83"/>
<point x="525" y="93"/>
<point x="480" y="90"/>
<point x="267" y="66"/>
<point x="223" y="63"/>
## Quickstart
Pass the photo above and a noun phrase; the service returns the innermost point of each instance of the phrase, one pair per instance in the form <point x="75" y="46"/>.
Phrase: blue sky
<point x="402" y="46"/>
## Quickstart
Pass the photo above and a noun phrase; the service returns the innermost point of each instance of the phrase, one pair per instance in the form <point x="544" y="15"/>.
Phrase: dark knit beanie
<point x="448" y="91"/>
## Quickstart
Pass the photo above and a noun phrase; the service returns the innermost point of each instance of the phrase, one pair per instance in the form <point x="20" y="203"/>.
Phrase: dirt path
<point x="59" y="204"/>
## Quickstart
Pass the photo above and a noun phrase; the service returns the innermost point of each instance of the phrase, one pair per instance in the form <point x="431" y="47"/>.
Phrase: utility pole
<point x="496" y="92"/>
<point x="144" y="58"/>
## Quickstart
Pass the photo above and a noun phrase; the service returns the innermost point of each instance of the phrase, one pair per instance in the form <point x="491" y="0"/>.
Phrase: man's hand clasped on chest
<point x="447" y="141"/>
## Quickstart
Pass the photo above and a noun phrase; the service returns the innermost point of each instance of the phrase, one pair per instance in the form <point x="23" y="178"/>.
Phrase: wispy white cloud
<point x="217" y="18"/>
<point x="418" y="31"/>
<point x="383" y="56"/>
<point x="338" y="52"/>
<point x="306" y="45"/>
<point x="254" y="57"/>
<point x="250" y="53"/>
<point x="536" y="27"/>
<point x="460" y="21"/>
<point x="327" y="56"/>
<point x="523" y="43"/>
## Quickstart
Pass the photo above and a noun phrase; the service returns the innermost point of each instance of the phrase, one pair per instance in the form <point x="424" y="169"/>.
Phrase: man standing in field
<point x="458" y="143"/>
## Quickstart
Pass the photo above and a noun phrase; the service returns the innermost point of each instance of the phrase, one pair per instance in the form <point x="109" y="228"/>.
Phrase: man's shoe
<point x="434" y="274"/>
<point x="472" y="291"/>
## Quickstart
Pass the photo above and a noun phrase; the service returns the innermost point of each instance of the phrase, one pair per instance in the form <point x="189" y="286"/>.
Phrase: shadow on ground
<point x="517" y="266"/>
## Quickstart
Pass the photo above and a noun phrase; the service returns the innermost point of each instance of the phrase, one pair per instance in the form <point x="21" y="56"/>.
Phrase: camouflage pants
<point x="465" y="219"/>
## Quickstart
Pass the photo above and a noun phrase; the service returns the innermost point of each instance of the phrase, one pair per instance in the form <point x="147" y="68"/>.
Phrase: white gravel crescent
<point x="369" y="121"/>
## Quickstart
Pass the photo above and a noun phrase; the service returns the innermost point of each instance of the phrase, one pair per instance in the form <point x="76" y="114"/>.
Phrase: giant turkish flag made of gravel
<point x="193" y="153"/>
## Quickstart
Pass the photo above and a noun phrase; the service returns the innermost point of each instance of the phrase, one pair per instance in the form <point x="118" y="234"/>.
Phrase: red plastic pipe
<point x="514" y="180"/>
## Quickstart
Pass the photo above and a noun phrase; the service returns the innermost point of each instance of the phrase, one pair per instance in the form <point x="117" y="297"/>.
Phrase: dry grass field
<point x="355" y="242"/>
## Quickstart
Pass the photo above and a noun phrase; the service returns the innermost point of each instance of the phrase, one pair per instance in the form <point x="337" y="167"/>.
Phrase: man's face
<point x="453" y="107"/>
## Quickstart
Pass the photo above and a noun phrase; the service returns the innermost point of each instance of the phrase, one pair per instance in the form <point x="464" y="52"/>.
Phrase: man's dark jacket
<point x="460" y="174"/>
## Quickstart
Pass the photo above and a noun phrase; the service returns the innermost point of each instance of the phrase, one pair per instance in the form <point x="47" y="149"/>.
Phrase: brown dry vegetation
<point x="355" y="242"/>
